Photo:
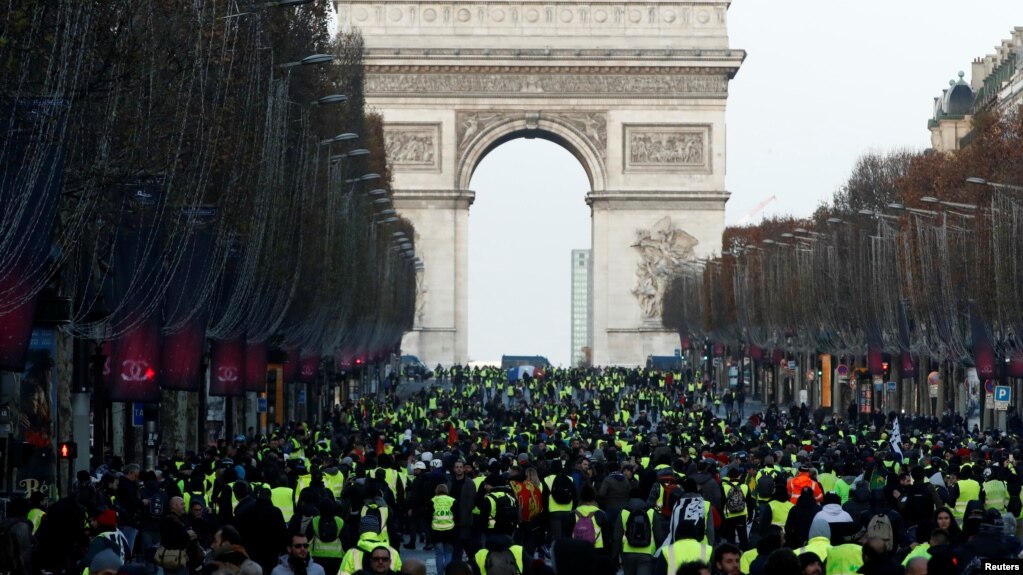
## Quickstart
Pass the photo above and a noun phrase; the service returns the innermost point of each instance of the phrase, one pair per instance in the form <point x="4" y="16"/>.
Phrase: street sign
<point x="678" y="352"/>
<point x="137" y="418"/>
<point x="891" y="386"/>
<point x="989" y="386"/>
<point x="1003" y="393"/>
<point x="301" y="397"/>
<point x="261" y="405"/>
<point x="792" y="364"/>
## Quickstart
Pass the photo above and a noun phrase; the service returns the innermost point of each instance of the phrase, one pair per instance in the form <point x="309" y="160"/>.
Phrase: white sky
<point x="824" y="81"/>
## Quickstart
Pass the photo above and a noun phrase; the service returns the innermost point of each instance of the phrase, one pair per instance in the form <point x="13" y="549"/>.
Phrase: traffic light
<point x="67" y="450"/>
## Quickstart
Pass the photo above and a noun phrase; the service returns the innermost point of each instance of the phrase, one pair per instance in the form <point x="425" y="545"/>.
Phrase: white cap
<point x="426" y="456"/>
<point x="419" y="465"/>
<point x="436" y="463"/>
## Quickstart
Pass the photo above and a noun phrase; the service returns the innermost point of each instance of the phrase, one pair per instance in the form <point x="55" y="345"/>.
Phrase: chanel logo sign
<point x="135" y="370"/>
<point x="227" y="374"/>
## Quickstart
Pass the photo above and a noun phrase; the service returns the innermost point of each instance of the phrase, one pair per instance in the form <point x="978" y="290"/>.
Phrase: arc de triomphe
<point x="636" y="90"/>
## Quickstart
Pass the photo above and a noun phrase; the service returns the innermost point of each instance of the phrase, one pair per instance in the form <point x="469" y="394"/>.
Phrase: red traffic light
<point x="67" y="450"/>
<point x="358" y="361"/>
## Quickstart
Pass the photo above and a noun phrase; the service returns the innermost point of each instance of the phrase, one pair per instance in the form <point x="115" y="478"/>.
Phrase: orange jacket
<point x="801" y="481"/>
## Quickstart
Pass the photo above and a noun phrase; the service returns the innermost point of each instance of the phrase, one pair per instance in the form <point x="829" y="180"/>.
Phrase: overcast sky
<point x="824" y="81"/>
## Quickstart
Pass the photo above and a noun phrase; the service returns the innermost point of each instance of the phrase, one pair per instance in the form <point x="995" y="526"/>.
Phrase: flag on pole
<point x="896" y="439"/>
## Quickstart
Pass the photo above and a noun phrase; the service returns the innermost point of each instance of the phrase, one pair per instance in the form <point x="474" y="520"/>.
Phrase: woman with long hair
<point x="943" y="519"/>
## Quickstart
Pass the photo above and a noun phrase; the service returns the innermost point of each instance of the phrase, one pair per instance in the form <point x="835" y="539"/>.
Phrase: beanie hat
<point x="105" y="560"/>
<point x="368" y="524"/>
<point x="107" y="519"/>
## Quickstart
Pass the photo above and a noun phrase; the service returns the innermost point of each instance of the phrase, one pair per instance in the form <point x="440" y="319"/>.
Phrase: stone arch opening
<point x="584" y="136"/>
<point x="517" y="289"/>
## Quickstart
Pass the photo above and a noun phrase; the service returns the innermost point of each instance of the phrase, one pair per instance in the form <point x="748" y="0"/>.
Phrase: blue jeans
<point x="442" y="552"/>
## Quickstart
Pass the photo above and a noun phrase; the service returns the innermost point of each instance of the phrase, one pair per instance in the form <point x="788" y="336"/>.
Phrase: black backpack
<point x="506" y="514"/>
<point x="501" y="563"/>
<point x="563" y="489"/>
<point x="637" y="529"/>
<point x="326" y="528"/>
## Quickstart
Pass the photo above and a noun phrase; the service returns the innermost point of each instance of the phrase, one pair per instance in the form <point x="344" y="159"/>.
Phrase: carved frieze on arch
<point x="583" y="134"/>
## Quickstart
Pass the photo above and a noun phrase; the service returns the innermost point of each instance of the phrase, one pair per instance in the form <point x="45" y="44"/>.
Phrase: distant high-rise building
<point x="582" y="307"/>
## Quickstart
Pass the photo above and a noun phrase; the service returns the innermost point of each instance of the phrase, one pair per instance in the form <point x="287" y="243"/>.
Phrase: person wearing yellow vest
<point x="374" y="505"/>
<point x="500" y="551"/>
<point x="324" y="533"/>
<point x="636" y="538"/>
<point x="684" y="551"/>
<point x="995" y="493"/>
<point x="589" y="512"/>
<point x="442" y="526"/>
<point x="359" y="557"/>
<point x="283" y="498"/>
<point x="844" y="558"/>
<point x="734" y="509"/>
<point x="559" y="499"/>
<point x="964" y="490"/>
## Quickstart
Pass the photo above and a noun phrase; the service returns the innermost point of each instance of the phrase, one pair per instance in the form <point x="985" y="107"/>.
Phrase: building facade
<point x="996" y="83"/>
<point x="582" y="307"/>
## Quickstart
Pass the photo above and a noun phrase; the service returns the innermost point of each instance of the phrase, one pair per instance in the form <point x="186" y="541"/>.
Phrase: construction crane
<point x="759" y="208"/>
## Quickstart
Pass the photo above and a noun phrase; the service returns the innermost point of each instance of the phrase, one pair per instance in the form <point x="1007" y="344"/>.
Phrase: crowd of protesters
<point x="592" y="471"/>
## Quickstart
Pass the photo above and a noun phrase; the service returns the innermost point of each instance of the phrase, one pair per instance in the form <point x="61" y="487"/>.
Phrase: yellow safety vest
<point x="352" y="560"/>
<point x="35" y="516"/>
<point x="686" y="551"/>
<point x="283" y="498"/>
<point x="996" y="495"/>
<point x="330" y="549"/>
<point x="969" y="490"/>
<point x="383" y="518"/>
<point x="335" y="483"/>
<point x="481" y="558"/>
<point x="443" y="517"/>
<point x="626" y="548"/>
<point x="921" y="550"/>
<point x="844" y="559"/>
<point x="818" y="546"/>
<point x="301" y="483"/>
<point x="747" y="559"/>
<point x="780" y="512"/>
<point x="552" y="505"/>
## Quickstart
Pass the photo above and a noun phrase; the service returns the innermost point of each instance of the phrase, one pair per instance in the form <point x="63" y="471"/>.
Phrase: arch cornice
<point x="583" y="134"/>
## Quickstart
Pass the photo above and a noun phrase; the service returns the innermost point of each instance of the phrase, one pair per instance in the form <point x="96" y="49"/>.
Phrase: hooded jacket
<point x="614" y="492"/>
<point x="830" y="513"/>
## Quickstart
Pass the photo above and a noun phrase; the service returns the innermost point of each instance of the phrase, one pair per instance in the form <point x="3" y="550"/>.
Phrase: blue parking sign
<point x="1003" y="393"/>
